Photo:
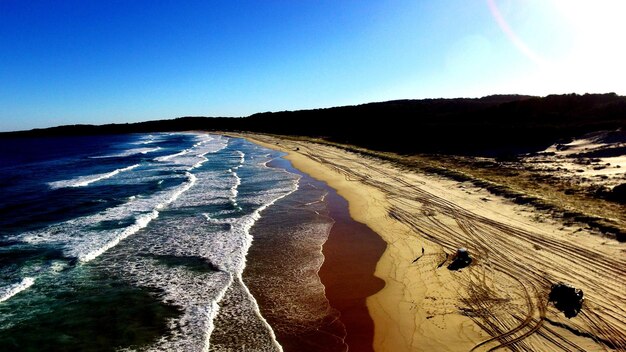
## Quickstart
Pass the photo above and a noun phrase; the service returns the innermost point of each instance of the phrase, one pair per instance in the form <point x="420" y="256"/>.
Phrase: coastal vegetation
<point x="496" y="125"/>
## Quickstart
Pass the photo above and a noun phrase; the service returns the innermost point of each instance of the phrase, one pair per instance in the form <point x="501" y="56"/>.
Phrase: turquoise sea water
<point x="141" y="242"/>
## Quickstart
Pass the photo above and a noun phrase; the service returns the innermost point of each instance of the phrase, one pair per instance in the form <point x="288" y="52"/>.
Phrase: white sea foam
<point x="245" y="224"/>
<point x="257" y="311"/>
<point x="214" y="309"/>
<point x="242" y="157"/>
<point x="83" y="181"/>
<point x="234" y="188"/>
<point x="170" y="156"/>
<point x="141" y="221"/>
<point x="78" y="236"/>
<point x="129" y="152"/>
<point x="145" y="142"/>
<point x="227" y="250"/>
<point x="14" y="289"/>
<point x="194" y="157"/>
<point x="199" y="163"/>
<point x="149" y="139"/>
<point x="221" y="237"/>
<point x="58" y="266"/>
<point x="238" y="263"/>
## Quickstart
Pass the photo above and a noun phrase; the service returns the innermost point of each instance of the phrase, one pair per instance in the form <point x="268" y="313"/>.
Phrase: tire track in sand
<point x="505" y="290"/>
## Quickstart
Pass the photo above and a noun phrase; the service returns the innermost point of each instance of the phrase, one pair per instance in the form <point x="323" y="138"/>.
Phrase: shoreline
<point x="394" y="313"/>
<point x="309" y="279"/>
<point x="351" y="253"/>
<point x="424" y="308"/>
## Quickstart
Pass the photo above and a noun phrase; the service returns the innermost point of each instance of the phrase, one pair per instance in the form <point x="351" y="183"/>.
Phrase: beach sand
<point x="501" y="299"/>
<point x="350" y="257"/>
<point x="311" y="268"/>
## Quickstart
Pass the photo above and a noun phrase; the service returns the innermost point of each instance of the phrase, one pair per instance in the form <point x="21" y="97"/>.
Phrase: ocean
<point x="160" y="242"/>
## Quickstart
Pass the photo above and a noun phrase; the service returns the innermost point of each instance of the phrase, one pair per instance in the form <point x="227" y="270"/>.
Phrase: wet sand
<point x="311" y="268"/>
<point x="500" y="301"/>
<point x="350" y="257"/>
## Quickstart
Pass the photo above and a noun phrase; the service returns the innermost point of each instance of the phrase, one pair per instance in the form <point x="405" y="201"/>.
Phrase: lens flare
<point x="513" y="37"/>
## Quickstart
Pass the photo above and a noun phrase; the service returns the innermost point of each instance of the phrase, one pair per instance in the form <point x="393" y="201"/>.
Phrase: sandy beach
<point x="311" y="268"/>
<point x="317" y="176"/>
<point x="499" y="301"/>
<point x="350" y="257"/>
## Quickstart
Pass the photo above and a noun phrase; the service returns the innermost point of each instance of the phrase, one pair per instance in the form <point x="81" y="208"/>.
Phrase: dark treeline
<point x="499" y="124"/>
<point x="495" y="124"/>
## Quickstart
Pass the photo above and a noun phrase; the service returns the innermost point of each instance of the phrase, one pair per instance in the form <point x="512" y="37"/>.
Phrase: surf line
<point x="140" y="222"/>
<point x="17" y="288"/>
<point x="143" y="220"/>
<point x="248" y="223"/>
<point x="128" y="152"/>
<point x="87" y="180"/>
<point x="234" y="189"/>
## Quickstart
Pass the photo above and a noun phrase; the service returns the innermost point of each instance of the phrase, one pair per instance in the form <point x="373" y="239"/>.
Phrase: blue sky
<point x="64" y="62"/>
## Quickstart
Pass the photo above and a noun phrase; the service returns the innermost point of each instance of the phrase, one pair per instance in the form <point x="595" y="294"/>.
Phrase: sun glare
<point x="511" y="34"/>
<point x="597" y="55"/>
<point x="593" y="59"/>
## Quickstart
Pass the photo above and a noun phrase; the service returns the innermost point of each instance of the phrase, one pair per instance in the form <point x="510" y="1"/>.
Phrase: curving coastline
<point x="501" y="300"/>
<point x="311" y="268"/>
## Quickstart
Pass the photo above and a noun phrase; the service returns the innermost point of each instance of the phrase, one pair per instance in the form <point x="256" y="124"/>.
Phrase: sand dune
<point x="501" y="300"/>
